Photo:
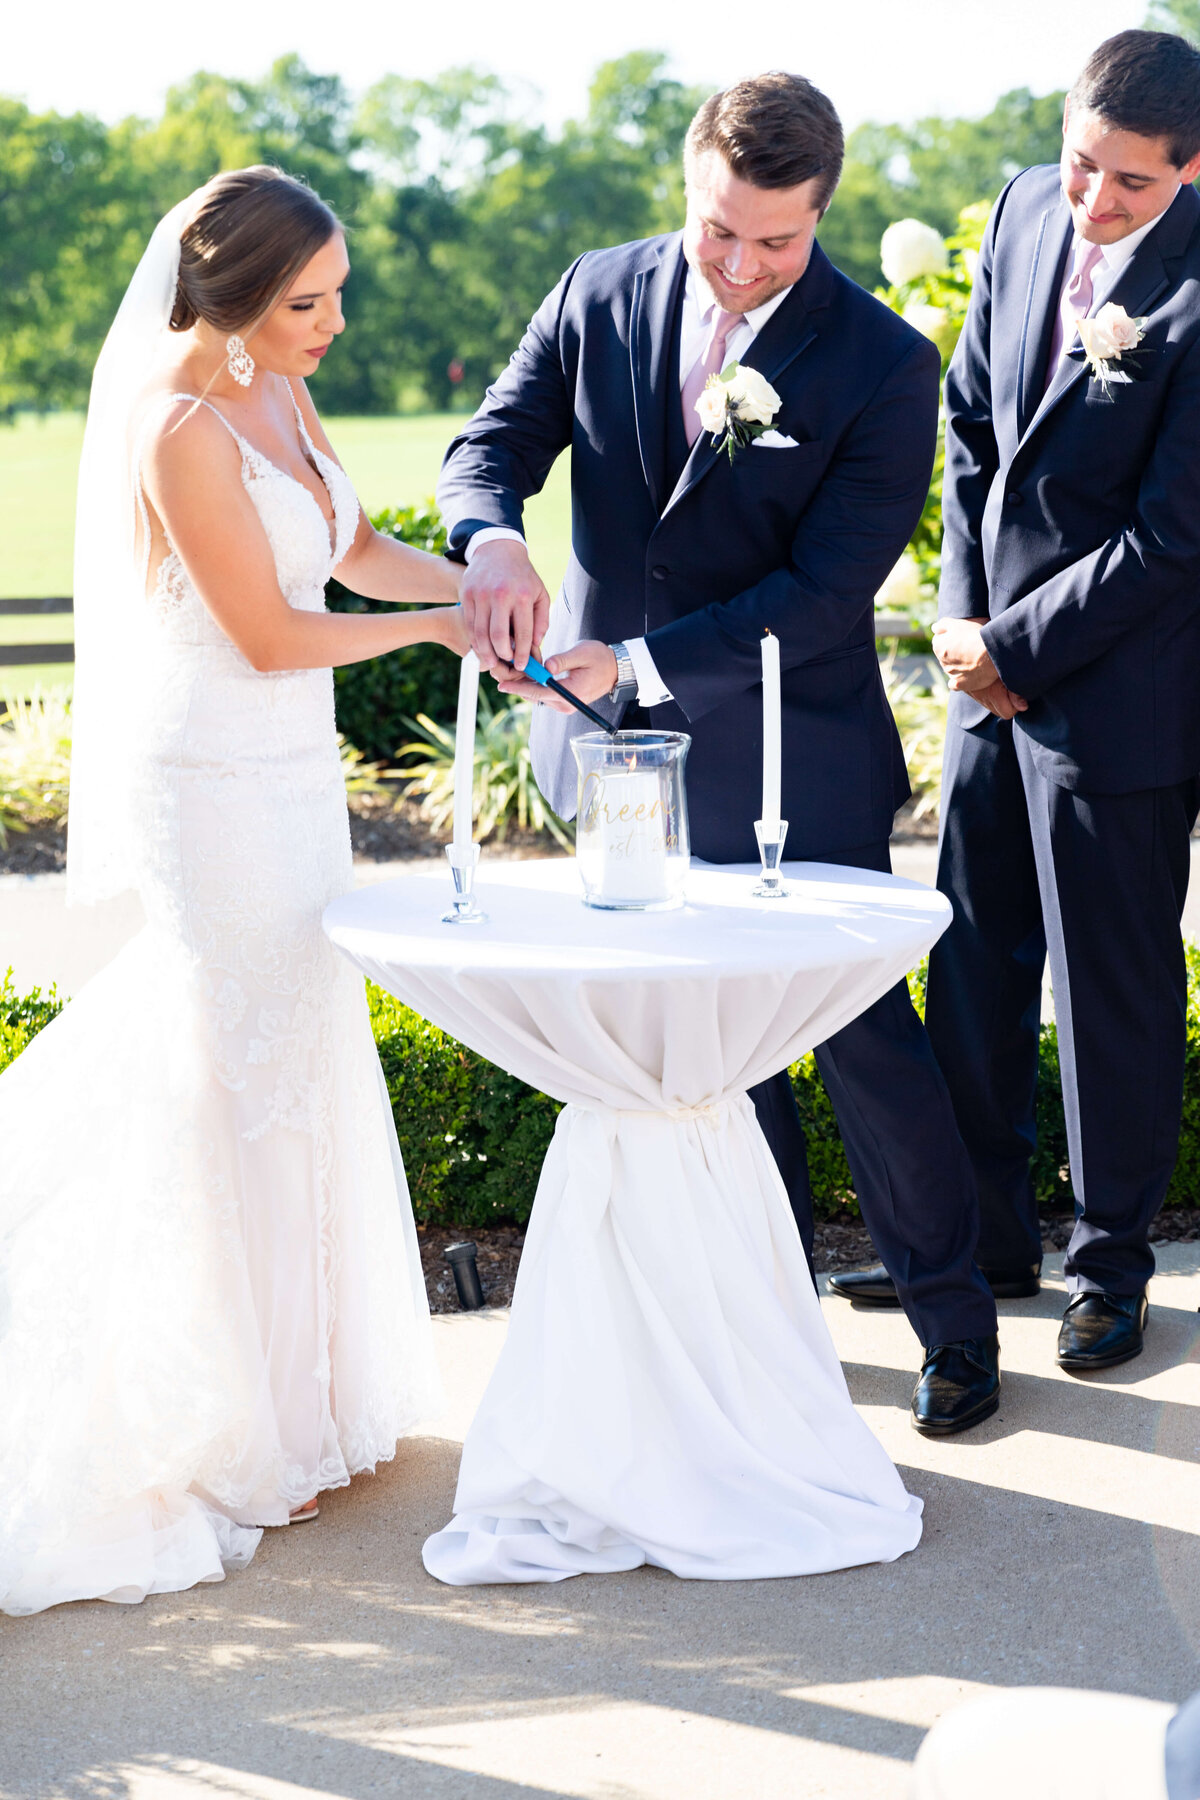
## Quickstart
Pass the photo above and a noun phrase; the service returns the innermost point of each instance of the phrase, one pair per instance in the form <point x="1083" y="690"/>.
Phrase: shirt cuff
<point x="489" y="535"/>
<point x="650" y="689"/>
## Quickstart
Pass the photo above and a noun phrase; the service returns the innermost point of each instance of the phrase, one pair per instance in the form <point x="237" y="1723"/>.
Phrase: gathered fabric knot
<point x="587" y="1139"/>
<point x="713" y="1112"/>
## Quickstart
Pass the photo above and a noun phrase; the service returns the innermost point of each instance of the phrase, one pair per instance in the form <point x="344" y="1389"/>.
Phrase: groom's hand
<point x="588" y="669"/>
<point x="505" y="603"/>
<point x="959" y="647"/>
<point x="1000" y="700"/>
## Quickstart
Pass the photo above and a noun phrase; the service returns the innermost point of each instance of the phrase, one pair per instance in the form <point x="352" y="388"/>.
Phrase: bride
<point x="211" y="1301"/>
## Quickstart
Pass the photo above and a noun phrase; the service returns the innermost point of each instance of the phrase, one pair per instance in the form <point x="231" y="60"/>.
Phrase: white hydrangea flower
<point x="910" y="249"/>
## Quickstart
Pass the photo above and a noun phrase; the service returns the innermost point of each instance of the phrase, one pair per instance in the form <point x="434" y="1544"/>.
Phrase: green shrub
<point x="377" y="700"/>
<point x="22" y="1016"/>
<point x="504" y="788"/>
<point x="829" y="1172"/>
<point x="473" y="1138"/>
<point x="35" y="760"/>
<point x="1185" y="1183"/>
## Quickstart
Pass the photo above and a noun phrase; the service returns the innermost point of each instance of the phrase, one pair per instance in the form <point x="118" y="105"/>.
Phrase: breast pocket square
<point x="775" y="440"/>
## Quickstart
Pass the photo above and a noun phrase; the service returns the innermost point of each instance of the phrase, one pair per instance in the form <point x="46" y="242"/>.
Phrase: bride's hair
<point x="248" y="239"/>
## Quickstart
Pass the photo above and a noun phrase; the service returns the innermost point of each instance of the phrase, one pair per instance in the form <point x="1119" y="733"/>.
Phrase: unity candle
<point x="772" y="743"/>
<point x="625" y="835"/>
<point x="632" y="838"/>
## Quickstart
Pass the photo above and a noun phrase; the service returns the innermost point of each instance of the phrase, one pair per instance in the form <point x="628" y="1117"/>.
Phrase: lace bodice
<point x="296" y="529"/>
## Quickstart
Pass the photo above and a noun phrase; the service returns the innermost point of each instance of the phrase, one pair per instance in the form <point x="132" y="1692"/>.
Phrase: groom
<point x="680" y="561"/>
<point x="1071" y="629"/>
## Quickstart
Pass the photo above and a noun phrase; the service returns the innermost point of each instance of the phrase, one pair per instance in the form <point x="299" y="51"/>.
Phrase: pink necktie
<point x="1075" y="304"/>
<point x="711" y="363"/>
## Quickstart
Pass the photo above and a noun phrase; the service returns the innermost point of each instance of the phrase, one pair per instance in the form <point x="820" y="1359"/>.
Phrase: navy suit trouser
<point x="1098" y="882"/>
<point x="911" y="1172"/>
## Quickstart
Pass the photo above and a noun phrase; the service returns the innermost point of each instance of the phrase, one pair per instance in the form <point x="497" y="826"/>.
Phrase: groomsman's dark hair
<point x="1146" y="82"/>
<point x="774" y="131"/>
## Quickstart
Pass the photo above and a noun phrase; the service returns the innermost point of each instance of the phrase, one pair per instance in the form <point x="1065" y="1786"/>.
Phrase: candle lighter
<point x="542" y="676"/>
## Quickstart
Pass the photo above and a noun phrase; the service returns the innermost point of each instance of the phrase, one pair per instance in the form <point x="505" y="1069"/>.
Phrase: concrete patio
<point x="335" y="1667"/>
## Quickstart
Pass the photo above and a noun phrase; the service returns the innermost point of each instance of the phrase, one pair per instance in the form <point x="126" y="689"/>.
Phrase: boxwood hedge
<point x="473" y="1137"/>
<point x="376" y="700"/>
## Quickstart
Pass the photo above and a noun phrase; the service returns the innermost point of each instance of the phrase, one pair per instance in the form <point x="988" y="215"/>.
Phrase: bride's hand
<point x="457" y="637"/>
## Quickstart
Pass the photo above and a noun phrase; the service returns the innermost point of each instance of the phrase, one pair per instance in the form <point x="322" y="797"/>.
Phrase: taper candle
<point x="772" y="744"/>
<point x="464" y="754"/>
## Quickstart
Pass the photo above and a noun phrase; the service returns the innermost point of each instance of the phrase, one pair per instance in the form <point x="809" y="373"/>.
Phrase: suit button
<point x="1014" y="499"/>
<point x="660" y="572"/>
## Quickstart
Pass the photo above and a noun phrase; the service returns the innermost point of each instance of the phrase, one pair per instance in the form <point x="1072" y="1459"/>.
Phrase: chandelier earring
<point x="240" y="363"/>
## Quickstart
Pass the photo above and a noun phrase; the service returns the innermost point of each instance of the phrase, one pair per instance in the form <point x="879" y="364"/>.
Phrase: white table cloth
<point x="668" y="1392"/>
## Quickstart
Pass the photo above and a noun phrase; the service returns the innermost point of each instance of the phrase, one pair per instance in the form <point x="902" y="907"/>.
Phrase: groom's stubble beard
<point x="759" y="296"/>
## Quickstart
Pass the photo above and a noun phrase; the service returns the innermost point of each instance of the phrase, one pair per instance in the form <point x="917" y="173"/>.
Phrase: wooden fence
<point x="21" y="655"/>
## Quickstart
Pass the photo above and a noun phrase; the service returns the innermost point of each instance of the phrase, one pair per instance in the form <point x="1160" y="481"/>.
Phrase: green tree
<point x="1182" y="16"/>
<point x="476" y="212"/>
<point x="931" y="170"/>
<point x="65" y="244"/>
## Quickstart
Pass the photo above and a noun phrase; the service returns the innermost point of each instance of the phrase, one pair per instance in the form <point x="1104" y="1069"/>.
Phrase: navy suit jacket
<point x="797" y="540"/>
<point x="1073" y="521"/>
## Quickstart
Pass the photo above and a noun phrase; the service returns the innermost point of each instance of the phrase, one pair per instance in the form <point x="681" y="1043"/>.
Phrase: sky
<point x="892" y="60"/>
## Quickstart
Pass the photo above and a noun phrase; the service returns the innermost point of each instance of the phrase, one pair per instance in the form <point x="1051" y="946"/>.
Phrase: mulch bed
<point x="386" y="829"/>
<point x="499" y="1250"/>
<point x="841" y="1243"/>
<point x="38" y="852"/>
<point x="1174" y="1225"/>
<point x="382" y="829"/>
<point x="908" y="830"/>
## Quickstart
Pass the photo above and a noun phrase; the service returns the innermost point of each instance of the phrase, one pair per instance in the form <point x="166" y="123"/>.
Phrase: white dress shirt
<point x="1113" y="258"/>
<point x="699" y="306"/>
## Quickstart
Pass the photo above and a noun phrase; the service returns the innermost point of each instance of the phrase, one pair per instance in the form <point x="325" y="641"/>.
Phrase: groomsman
<point x="681" y="558"/>
<point x="1070" y="630"/>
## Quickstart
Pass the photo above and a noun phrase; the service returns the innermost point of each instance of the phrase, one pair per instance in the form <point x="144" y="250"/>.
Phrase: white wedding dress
<point x="211" y="1299"/>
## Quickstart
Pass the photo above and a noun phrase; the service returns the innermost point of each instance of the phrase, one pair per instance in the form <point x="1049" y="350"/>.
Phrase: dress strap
<point x="139" y="445"/>
<point x="199" y="400"/>
<point x="304" y="431"/>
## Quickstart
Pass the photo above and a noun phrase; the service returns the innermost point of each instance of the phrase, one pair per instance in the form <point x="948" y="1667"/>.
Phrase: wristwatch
<point x="625" y="686"/>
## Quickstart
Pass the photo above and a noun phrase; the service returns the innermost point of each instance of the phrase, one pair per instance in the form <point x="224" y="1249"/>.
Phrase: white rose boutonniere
<point x="1109" y="338"/>
<point x="737" y="406"/>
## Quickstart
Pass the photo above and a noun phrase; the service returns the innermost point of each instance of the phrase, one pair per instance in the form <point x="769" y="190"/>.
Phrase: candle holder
<point x="465" y="909"/>
<point x="769" y="885"/>
<point x="631" y="841"/>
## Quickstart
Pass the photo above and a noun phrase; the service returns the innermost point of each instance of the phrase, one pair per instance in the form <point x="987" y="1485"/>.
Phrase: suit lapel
<point x="1041" y="304"/>
<point x="782" y="339"/>
<point x="1143" y="281"/>
<point x="653" y="313"/>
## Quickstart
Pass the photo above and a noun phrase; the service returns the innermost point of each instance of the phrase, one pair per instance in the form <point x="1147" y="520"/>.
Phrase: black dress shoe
<point x="1100" y="1330"/>
<point x="959" y="1385"/>
<point x="875" y="1287"/>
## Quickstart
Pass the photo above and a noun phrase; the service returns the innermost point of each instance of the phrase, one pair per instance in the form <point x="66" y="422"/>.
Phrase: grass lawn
<point x="393" y="462"/>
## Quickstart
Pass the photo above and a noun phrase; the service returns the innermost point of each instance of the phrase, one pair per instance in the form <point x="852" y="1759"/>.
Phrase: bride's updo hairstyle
<point x="250" y="236"/>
